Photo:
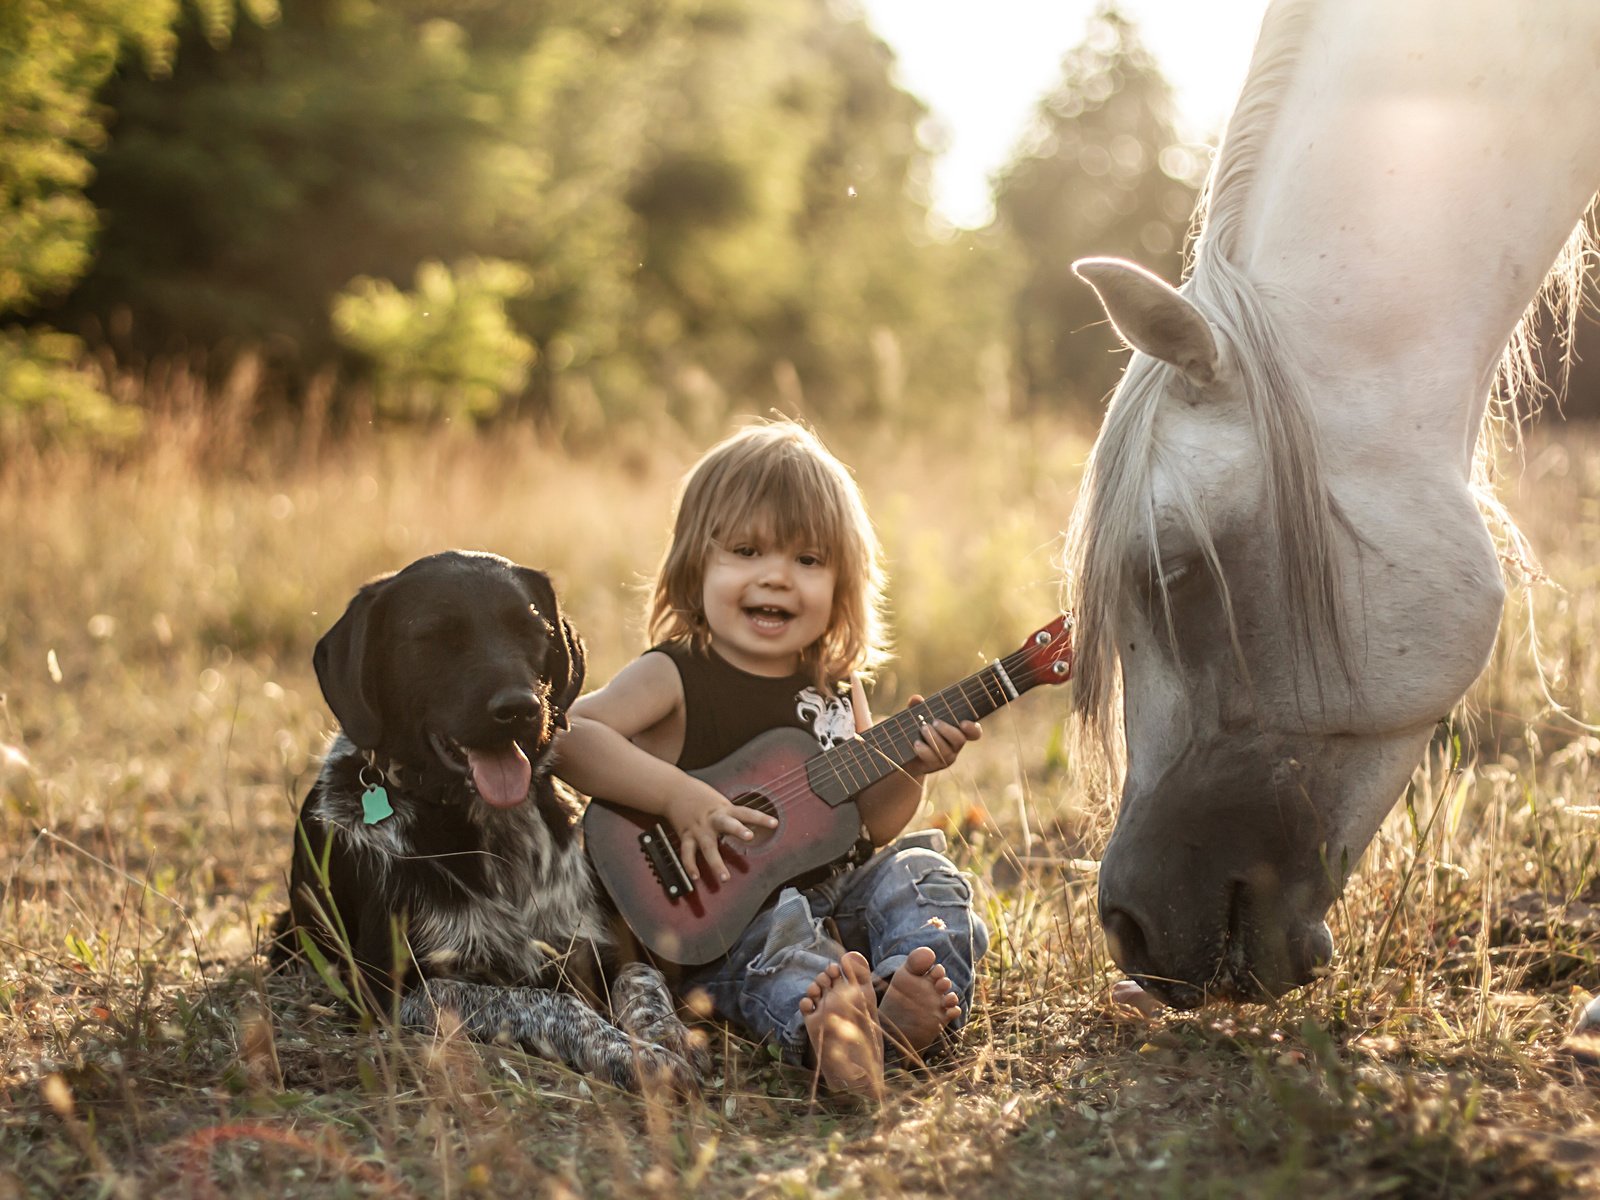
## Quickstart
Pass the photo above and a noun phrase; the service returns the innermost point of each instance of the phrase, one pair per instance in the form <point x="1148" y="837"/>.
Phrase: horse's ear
<point x="1153" y="317"/>
<point x="345" y="668"/>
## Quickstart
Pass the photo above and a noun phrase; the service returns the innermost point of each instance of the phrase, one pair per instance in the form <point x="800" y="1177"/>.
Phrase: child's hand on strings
<point x="700" y="816"/>
<point x="940" y="743"/>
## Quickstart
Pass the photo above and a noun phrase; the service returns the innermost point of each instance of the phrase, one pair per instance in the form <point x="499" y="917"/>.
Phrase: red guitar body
<point x="767" y="773"/>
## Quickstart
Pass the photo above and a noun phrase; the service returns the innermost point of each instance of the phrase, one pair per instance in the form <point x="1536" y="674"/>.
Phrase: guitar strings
<point x="795" y="784"/>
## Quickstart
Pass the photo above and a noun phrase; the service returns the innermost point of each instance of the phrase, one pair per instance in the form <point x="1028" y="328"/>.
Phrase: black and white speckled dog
<point x="436" y="850"/>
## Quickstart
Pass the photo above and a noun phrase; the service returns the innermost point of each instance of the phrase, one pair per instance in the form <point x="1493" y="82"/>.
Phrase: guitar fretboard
<point x="841" y="772"/>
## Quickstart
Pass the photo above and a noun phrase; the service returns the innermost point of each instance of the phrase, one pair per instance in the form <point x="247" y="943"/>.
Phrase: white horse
<point x="1282" y="574"/>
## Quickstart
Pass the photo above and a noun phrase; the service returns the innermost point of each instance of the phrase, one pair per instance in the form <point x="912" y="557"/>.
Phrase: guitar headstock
<point x="1046" y="657"/>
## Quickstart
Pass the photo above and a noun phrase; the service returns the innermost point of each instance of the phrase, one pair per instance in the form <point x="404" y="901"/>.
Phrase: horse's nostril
<point x="1310" y="950"/>
<point x="1125" y="939"/>
<point x="511" y="705"/>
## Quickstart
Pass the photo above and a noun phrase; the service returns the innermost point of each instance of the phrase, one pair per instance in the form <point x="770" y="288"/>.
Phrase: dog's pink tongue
<point x="501" y="776"/>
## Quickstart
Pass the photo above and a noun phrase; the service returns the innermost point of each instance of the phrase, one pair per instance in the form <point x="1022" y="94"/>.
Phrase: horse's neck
<point x="1427" y="162"/>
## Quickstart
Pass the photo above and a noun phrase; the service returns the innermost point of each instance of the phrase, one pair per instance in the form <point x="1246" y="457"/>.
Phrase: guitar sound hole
<point x="761" y="804"/>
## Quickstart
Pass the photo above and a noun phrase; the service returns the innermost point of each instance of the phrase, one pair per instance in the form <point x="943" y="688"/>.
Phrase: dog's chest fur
<point x="495" y="895"/>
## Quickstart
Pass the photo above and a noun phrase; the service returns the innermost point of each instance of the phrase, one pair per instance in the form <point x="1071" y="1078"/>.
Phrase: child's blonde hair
<point x="776" y="481"/>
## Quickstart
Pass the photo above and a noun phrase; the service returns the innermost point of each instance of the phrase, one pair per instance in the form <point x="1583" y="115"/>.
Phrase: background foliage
<point x="1102" y="173"/>
<point x="709" y="205"/>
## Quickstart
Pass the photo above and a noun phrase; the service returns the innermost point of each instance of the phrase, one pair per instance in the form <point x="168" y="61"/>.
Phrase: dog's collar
<point x="388" y="769"/>
<point x="391" y="773"/>
<point x="394" y="774"/>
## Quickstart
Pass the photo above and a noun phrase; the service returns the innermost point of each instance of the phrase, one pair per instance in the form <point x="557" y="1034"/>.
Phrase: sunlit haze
<point x="981" y="68"/>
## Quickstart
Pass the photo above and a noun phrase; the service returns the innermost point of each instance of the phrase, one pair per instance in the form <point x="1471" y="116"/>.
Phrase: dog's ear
<point x="577" y="662"/>
<point x="345" y="671"/>
<point x="567" y="670"/>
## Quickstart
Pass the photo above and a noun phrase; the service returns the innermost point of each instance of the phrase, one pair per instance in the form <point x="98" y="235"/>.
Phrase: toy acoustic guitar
<point x="812" y="794"/>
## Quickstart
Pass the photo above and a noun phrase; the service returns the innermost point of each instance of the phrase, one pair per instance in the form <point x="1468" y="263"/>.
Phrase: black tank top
<point x="724" y="707"/>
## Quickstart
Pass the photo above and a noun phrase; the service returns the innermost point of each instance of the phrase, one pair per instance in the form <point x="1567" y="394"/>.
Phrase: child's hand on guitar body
<point x="701" y="816"/>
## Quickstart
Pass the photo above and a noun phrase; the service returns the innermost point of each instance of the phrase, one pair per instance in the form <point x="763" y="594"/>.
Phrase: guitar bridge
<point x="664" y="861"/>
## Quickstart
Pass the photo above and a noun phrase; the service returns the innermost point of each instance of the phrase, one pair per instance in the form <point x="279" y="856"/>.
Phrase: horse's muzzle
<point x="1250" y="963"/>
<point x="1216" y="882"/>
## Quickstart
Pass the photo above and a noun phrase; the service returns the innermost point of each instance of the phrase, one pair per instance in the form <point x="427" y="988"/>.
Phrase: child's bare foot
<point x="841" y="1017"/>
<point x="919" y="1002"/>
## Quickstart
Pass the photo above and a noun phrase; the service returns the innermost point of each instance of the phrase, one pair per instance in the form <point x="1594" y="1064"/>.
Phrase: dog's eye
<point x="528" y="621"/>
<point x="443" y="630"/>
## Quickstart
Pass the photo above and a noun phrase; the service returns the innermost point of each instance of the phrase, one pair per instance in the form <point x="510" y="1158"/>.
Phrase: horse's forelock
<point x="1111" y="513"/>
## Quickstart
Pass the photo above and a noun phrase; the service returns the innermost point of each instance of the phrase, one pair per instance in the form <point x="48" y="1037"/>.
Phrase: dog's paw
<point x="646" y="1012"/>
<point x="650" y="1070"/>
<point x="699" y="1054"/>
<point x="688" y="1044"/>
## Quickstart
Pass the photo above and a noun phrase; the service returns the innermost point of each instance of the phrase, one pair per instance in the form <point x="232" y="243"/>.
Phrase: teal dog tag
<point x="375" y="805"/>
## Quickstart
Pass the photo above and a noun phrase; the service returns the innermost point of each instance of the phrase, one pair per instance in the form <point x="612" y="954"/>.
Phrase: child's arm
<point x="599" y="757"/>
<point x="888" y="805"/>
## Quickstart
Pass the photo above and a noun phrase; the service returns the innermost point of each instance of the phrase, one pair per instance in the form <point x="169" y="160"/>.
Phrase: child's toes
<point x="922" y="961"/>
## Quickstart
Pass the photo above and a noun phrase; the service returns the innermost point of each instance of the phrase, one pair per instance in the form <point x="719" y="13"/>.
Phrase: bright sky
<point x="981" y="65"/>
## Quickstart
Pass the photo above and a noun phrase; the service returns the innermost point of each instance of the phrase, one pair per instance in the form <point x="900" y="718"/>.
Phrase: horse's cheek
<point x="1156" y="712"/>
<point x="1428" y="633"/>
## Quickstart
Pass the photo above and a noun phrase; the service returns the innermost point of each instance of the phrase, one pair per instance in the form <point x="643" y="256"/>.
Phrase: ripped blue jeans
<point x="906" y="895"/>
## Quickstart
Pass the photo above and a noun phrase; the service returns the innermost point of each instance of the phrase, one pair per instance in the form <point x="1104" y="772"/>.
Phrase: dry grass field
<point x="159" y="723"/>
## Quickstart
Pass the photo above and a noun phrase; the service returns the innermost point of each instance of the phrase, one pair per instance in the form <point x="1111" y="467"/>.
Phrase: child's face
<point x="765" y="603"/>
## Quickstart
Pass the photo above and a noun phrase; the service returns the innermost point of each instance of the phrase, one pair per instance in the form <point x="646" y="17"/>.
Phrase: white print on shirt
<point x="832" y="718"/>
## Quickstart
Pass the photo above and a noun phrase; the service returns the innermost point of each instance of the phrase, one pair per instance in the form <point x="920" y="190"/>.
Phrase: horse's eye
<point x="1169" y="577"/>
<point x="1179" y="573"/>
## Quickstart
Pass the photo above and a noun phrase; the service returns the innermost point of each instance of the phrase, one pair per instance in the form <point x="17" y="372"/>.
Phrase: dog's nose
<point x="513" y="705"/>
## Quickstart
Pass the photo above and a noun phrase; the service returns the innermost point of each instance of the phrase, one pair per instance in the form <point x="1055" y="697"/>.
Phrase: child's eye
<point x="746" y="551"/>
<point x="810" y="560"/>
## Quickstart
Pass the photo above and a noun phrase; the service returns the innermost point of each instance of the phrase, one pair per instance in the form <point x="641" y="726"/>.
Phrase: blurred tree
<point x="242" y="193"/>
<point x="444" y="350"/>
<point x="1102" y="172"/>
<point x="784" y="214"/>
<point x="57" y="54"/>
<point x="783" y="233"/>
<point x="47" y="394"/>
<point x="892" y="315"/>
<point x="714" y="202"/>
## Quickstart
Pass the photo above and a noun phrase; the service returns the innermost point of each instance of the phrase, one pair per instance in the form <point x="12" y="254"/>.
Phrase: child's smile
<point x="765" y="605"/>
<point x="769" y="618"/>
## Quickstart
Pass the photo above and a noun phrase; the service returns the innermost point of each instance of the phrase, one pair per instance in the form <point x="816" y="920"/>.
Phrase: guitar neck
<point x="848" y="768"/>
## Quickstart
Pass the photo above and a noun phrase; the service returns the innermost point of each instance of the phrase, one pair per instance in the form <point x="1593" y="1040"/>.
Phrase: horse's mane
<point x="1520" y="389"/>
<point x="1114" y="512"/>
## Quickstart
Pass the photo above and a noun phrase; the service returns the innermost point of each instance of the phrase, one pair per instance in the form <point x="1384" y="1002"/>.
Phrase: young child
<point x="765" y="608"/>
